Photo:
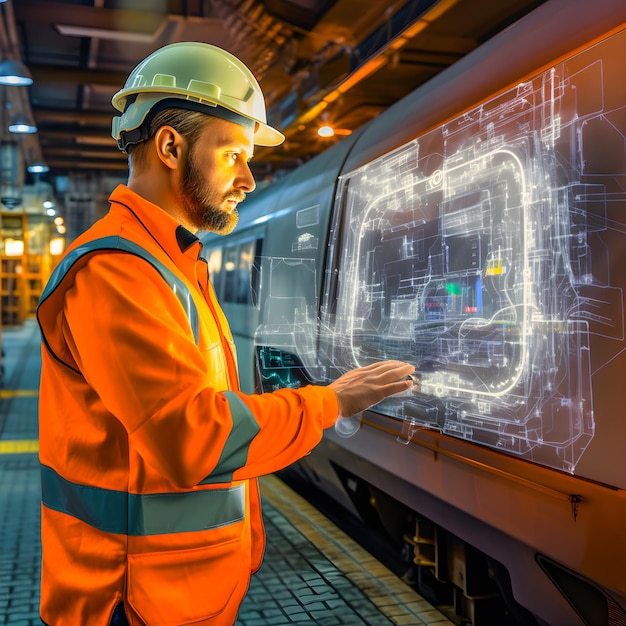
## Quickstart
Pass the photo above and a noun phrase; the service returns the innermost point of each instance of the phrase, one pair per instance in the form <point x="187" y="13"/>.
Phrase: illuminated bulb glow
<point x="13" y="247"/>
<point x="22" y="129"/>
<point x="325" y="131"/>
<point x="38" y="168"/>
<point x="14" y="73"/>
<point x="57" y="245"/>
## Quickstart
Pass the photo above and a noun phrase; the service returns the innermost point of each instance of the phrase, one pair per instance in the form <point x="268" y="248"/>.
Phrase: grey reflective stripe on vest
<point x="125" y="513"/>
<point x="114" y="242"/>
<point x="141" y="515"/>
<point x="235" y="452"/>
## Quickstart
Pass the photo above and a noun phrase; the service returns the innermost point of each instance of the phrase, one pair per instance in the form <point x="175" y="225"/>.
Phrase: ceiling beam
<point x="143" y="21"/>
<point x="85" y="164"/>
<point x="94" y="118"/>
<point x="85" y="151"/>
<point x="81" y="76"/>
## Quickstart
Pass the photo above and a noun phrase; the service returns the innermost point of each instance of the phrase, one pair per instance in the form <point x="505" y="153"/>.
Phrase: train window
<point x="241" y="272"/>
<point x="229" y="274"/>
<point x="255" y="272"/>
<point x="244" y="272"/>
<point x="215" y="269"/>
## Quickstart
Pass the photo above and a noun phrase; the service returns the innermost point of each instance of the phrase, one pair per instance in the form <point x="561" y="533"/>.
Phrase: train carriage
<point x="475" y="229"/>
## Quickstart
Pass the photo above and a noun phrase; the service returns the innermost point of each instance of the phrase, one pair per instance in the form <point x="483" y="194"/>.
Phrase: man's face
<point x="216" y="176"/>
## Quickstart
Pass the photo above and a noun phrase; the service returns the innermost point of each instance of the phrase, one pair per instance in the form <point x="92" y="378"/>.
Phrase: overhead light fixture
<point x="68" y="30"/>
<point x="38" y="168"/>
<point x="14" y="73"/>
<point x="329" y="131"/>
<point x="21" y="126"/>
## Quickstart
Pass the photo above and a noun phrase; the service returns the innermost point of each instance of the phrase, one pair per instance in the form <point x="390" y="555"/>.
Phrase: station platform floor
<point x="312" y="573"/>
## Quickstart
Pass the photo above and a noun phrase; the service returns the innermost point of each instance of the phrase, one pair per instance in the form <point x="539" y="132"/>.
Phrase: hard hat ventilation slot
<point x="164" y="80"/>
<point x="208" y="90"/>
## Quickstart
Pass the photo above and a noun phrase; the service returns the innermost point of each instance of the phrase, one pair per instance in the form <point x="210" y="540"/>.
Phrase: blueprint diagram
<point x="479" y="253"/>
<point x="488" y="253"/>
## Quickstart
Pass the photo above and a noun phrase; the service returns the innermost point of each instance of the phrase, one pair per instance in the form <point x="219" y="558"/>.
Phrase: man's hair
<point x="189" y="124"/>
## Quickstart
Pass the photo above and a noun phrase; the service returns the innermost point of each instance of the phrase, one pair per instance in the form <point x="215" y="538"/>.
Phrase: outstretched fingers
<point x="360" y="388"/>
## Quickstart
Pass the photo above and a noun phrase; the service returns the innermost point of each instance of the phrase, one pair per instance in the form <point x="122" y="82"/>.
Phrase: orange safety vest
<point x="149" y="451"/>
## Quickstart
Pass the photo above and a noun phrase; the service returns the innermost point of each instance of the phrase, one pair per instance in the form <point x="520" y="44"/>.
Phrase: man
<point x="150" y="453"/>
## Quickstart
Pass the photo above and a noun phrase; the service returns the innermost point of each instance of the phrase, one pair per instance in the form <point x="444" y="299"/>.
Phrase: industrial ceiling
<point x="340" y="62"/>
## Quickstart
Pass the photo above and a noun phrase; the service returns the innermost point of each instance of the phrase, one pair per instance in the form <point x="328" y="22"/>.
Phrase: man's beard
<point x="203" y="206"/>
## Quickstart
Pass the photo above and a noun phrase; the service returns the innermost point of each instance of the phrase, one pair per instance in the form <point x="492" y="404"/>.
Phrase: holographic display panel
<point x="484" y="252"/>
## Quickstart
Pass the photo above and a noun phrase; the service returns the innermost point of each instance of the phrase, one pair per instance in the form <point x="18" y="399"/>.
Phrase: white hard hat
<point x="196" y="76"/>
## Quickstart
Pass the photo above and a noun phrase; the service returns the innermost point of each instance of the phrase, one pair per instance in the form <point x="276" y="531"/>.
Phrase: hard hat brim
<point x="264" y="135"/>
<point x="267" y="136"/>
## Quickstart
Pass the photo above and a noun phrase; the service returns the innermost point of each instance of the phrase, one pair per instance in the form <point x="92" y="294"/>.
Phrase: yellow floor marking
<point x="19" y="446"/>
<point x="18" y="393"/>
<point x="394" y="598"/>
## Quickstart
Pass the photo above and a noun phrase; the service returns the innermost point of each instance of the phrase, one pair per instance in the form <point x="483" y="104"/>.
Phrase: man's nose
<point x="245" y="180"/>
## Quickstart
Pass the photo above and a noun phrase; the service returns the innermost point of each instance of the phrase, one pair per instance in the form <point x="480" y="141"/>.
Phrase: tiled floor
<point x="312" y="572"/>
<point x="335" y="580"/>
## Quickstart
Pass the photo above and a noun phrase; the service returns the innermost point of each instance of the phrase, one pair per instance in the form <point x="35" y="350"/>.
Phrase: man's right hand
<point x="360" y="388"/>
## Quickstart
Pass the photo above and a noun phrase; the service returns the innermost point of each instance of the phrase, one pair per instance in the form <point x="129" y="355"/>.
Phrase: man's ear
<point x="169" y="145"/>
